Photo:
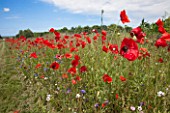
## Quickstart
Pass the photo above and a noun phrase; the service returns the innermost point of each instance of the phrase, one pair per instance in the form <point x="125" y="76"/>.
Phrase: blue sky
<point x="41" y="15"/>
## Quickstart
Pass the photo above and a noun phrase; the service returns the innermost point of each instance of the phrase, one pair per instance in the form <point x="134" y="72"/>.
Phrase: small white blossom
<point x="45" y="78"/>
<point x="132" y="108"/>
<point x="160" y="94"/>
<point x="139" y="108"/>
<point x="78" y="95"/>
<point x="48" y="97"/>
<point x="58" y="88"/>
<point x="167" y="89"/>
<point x="84" y="97"/>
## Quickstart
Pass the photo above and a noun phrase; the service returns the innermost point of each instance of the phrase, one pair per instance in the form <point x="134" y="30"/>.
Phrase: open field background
<point x="25" y="88"/>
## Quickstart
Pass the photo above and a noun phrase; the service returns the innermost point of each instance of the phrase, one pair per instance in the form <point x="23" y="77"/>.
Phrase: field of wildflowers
<point x="88" y="73"/>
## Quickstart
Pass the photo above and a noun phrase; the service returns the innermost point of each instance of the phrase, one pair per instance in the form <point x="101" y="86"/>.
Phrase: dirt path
<point x="10" y="85"/>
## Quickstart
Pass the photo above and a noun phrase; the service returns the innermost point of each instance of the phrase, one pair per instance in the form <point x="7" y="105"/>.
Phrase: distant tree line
<point x="89" y="29"/>
<point x="29" y="34"/>
<point x="79" y="29"/>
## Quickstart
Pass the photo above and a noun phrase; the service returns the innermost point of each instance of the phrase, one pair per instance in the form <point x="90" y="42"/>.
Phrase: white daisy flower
<point x="78" y="95"/>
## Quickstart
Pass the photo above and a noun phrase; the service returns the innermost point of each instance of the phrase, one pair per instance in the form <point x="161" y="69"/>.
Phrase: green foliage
<point x="27" y="33"/>
<point x="40" y="34"/>
<point x="78" y="29"/>
<point x="87" y="29"/>
<point x="63" y="30"/>
<point x="167" y="24"/>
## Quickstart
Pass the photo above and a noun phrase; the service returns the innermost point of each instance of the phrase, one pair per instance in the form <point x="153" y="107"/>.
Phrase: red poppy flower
<point x="140" y="38"/>
<point x="122" y="78"/>
<point x="72" y="70"/>
<point x="95" y="37"/>
<point x="84" y="33"/>
<point x="83" y="69"/>
<point x="68" y="55"/>
<point x="124" y="18"/>
<point x="161" y="42"/>
<point x="104" y="33"/>
<point x="117" y="96"/>
<point x="37" y="66"/>
<point x="78" y="78"/>
<point x="135" y="31"/>
<point x="88" y="40"/>
<point x="160" y="60"/>
<point x="159" y="22"/>
<point x="83" y="44"/>
<point x="57" y="36"/>
<point x="103" y="38"/>
<point x="129" y="49"/>
<point x="52" y="30"/>
<point x="166" y="37"/>
<point x="161" y="29"/>
<point x="107" y="78"/>
<point x="73" y="82"/>
<point x="55" y="65"/>
<point x="160" y="26"/>
<point x="113" y="48"/>
<point x="71" y="44"/>
<point x="42" y="76"/>
<point x="33" y="55"/>
<point x="77" y="44"/>
<point x="75" y="63"/>
<point x="66" y="37"/>
<point x="105" y="49"/>
<point x="64" y="76"/>
<point x="105" y="103"/>
<point x="77" y="35"/>
<point x="73" y="49"/>
<point x="76" y="57"/>
<point x="139" y="34"/>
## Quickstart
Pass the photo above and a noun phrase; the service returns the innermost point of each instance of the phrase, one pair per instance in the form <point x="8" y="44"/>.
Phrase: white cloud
<point x="151" y="10"/>
<point x="6" y="9"/>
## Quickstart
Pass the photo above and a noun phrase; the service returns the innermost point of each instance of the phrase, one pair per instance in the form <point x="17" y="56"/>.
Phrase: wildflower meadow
<point x="96" y="72"/>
